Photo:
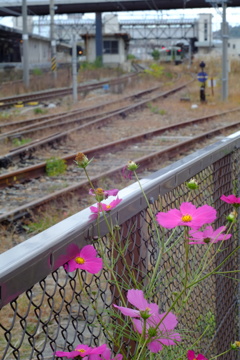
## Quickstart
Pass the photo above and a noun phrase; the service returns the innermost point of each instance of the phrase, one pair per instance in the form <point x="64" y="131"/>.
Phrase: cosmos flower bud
<point x="192" y="184"/>
<point x="82" y="160"/>
<point x="232" y="217"/>
<point x="99" y="194"/>
<point x="132" y="166"/>
<point x="145" y="314"/>
<point x="235" y="345"/>
<point x="152" y="332"/>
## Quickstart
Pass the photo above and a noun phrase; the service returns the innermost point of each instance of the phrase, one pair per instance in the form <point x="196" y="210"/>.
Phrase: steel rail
<point x="115" y="173"/>
<point x="46" y="94"/>
<point x="60" y="117"/>
<point x="34" y="171"/>
<point x="42" y="119"/>
<point x="31" y="147"/>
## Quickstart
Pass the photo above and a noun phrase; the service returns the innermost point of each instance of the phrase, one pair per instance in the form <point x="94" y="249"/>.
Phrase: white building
<point x="115" y="43"/>
<point x="205" y="35"/>
<point x="234" y="48"/>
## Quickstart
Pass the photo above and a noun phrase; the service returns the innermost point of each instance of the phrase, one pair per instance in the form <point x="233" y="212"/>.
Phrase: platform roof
<point x="41" y="7"/>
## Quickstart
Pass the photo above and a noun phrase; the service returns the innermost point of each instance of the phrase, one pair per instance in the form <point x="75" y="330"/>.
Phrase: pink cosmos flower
<point x="104" y="193"/>
<point x="105" y="207"/>
<point x="136" y="298"/>
<point x="106" y="355"/>
<point x="191" y="356"/>
<point x="231" y="199"/>
<point x="208" y="235"/>
<point x="163" y="334"/>
<point x="82" y="350"/>
<point x="85" y="260"/>
<point x="187" y="215"/>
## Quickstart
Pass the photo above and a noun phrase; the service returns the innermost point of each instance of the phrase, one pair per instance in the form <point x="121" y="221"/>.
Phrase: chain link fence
<point x="44" y="308"/>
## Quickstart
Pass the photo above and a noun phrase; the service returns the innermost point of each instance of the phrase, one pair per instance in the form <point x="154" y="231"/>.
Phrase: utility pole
<point x="190" y="53"/>
<point x="74" y="68"/>
<point x="99" y="40"/>
<point x="53" y="41"/>
<point x="25" y="44"/>
<point x="224" y="52"/>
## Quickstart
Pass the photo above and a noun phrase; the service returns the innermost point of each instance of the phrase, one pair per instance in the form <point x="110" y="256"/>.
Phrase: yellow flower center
<point x="79" y="260"/>
<point x="80" y="350"/>
<point x="108" y="206"/>
<point x="99" y="191"/>
<point x="186" y="218"/>
<point x="237" y="343"/>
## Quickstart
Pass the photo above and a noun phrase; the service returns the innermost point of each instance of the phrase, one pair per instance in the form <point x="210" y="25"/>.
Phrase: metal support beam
<point x="99" y="40"/>
<point x="224" y="52"/>
<point x="25" y="44"/>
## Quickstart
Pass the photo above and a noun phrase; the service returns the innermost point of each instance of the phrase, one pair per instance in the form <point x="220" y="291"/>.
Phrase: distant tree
<point x="155" y="54"/>
<point x="233" y="31"/>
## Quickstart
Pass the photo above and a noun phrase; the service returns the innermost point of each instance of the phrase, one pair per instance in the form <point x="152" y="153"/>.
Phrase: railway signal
<point x="202" y="78"/>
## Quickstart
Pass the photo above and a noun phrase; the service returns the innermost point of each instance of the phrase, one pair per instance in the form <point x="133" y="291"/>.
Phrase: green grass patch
<point x="55" y="166"/>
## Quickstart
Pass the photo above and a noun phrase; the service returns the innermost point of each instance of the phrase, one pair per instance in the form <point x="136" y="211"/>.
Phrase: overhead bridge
<point x="41" y="7"/>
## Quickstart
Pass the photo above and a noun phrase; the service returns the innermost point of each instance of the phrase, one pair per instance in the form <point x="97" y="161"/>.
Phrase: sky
<point x="233" y="15"/>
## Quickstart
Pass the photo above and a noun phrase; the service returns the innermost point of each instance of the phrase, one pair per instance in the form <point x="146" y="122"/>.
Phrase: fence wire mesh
<point x="65" y="309"/>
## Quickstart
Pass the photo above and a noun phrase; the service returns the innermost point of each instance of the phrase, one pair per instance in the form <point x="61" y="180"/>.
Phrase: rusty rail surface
<point x="34" y="171"/>
<point x="47" y="94"/>
<point x="23" y="150"/>
<point x="65" y="118"/>
<point x="115" y="173"/>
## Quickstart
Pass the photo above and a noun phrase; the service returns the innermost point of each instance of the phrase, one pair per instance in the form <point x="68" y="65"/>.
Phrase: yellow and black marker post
<point x="54" y="64"/>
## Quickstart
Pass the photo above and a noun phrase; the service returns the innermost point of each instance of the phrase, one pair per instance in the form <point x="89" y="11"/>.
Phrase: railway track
<point x="72" y="120"/>
<point x="25" y="127"/>
<point x="147" y="149"/>
<point x="55" y="93"/>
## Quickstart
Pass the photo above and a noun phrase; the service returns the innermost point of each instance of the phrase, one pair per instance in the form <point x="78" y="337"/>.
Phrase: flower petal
<point x="191" y="355"/>
<point x="206" y="214"/>
<point x="92" y="266"/>
<point x="68" y="355"/>
<point x="127" y="311"/>
<point x="138" y="325"/>
<point x="136" y="298"/>
<point x="155" y="346"/>
<point x="99" y="349"/>
<point x="170" y="219"/>
<point x="112" y="192"/>
<point x="88" y="252"/>
<point x="187" y="208"/>
<point x="201" y="357"/>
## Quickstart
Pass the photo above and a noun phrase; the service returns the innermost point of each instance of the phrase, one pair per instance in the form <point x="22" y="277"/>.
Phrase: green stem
<point x="218" y="267"/>
<point x="104" y="326"/>
<point x="89" y="180"/>
<point x="80" y="283"/>
<point x="186" y="245"/>
<point x="156" y="227"/>
<point x="141" y="349"/>
<point x="223" y="353"/>
<point x="123" y="257"/>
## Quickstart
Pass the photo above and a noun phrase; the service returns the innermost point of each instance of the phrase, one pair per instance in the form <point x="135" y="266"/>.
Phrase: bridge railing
<point x="44" y="308"/>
